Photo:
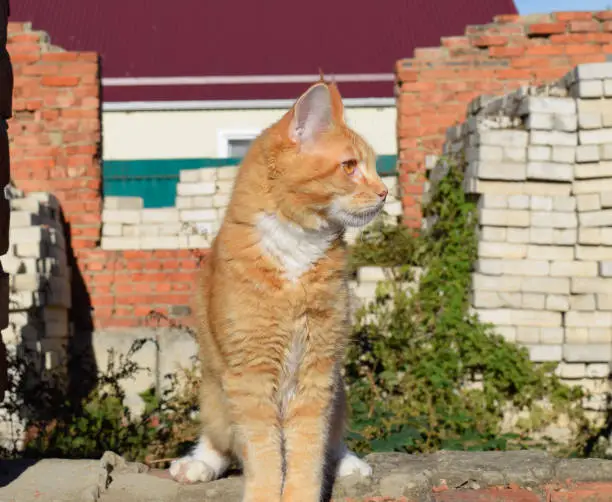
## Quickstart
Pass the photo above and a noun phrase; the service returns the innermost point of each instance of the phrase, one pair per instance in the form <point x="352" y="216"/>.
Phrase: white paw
<point x="350" y="464"/>
<point x="202" y="465"/>
<point x="190" y="470"/>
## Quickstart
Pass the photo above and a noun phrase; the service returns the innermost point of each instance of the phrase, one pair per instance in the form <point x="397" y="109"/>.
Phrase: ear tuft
<point x="312" y="114"/>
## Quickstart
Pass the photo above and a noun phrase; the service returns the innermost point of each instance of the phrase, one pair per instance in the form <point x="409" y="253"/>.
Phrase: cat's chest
<point x="294" y="249"/>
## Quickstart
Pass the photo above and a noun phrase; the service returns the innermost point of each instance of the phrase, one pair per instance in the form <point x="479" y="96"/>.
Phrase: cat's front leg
<point x="254" y="414"/>
<point x="305" y="430"/>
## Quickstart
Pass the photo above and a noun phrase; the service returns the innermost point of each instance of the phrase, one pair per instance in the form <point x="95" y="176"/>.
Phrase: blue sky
<point x="533" y="6"/>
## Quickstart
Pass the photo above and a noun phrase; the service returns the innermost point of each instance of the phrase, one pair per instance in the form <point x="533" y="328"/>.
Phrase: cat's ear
<point x="312" y="114"/>
<point x="336" y="102"/>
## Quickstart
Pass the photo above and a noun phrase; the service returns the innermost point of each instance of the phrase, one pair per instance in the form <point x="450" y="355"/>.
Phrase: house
<point x="191" y="83"/>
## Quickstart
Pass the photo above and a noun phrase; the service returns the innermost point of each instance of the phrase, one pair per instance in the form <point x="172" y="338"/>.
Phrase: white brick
<point x="607" y="87"/>
<point x="554" y="138"/>
<point x="541" y="104"/>
<point x="539" y="153"/>
<point x="593" y="170"/>
<point x="599" y="335"/>
<point x="571" y="370"/>
<point x="535" y="268"/>
<point x="484" y="153"/>
<point x="489" y="266"/>
<point x="605" y="268"/>
<point x="203" y="201"/>
<point x="123" y="203"/>
<point x="562" y="253"/>
<point x="605" y="151"/>
<point x="588" y="202"/>
<point x="517" y="235"/>
<point x="588" y="319"/>
<point x="527" y="188"/>
<point x="545" y="353"/>
<point x="587" y="352"/>
<point x="576" y="335"/>
<point x="549" y="171"/>
<point x="225" y="186"/>
<point x="519" y="317"/>
<point x="227" y="172"/>
<point x="587" y="89"/>
<point x="591" y="285"/>
<point x="518" y="201"/>
<point x="533" y="301"/>
<point x="606" y="199"/>
<point x="203" y="188"/>
<point x="587" y="153"/>
<point x="553" y="219"/>
<point x="516" y="155"/>
<point x="593" y="71"/>
<point x="591" y="235"/>
<point x="551" y="336"/>
<point x="573" y="269"/>
<point x="508" y="138"/>
<point x="564" y="154"/>
<point x="598" y="370"/>
<point x="565" y="236"/>
<point x="552" y="285"/>
<point x="504" y="218"/>
<point x="492" y="234"/>
<point x="501" y="250"/>
<point x="558" y="303"/>
<point x="541" y="203"/>
<point x="112" y="229"/>
<point x="589" y="120"/>
<point x="568" y="123"/>
<point x="222" y="200"/>
<point x="114" y="243"/>
<point x="595" y="137"/>
<point x="491" y="299"/>
<point x="161" y="215"/>
<point x="564" y="203"/>
<point x="184" y="202"/>
<point x="594" y="253"/>
<point x="149" y="230"/>
<point x="592" y="186"/>
<point x="582" y="302"/>
<point x="121" y="216"/>
<point x="507" y="332"/>
<point x="528" y="335"/>
<point x="189" y="176"/>
<point x="541" y="121"/>
<point x="497" y="171"/>
<point x="482" y="282"/>
<point x="492" y="201"/>
<point x="199" y="215"/>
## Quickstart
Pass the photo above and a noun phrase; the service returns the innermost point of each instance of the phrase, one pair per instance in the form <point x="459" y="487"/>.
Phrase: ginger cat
<point x="274" y="319"/>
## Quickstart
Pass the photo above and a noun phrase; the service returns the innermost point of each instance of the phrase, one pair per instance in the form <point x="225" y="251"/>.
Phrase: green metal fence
<point x="155" y="179"/>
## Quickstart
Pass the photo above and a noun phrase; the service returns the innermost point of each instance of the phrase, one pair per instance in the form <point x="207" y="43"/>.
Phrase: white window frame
<point x="225" y="136"/>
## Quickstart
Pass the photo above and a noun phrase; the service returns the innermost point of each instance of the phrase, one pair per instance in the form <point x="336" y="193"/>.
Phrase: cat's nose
<point x="383" y="193"/>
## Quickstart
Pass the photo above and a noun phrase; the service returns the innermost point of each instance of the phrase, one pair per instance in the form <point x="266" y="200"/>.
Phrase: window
<point x="238" y="147"/>
<point x="235" y="143"/>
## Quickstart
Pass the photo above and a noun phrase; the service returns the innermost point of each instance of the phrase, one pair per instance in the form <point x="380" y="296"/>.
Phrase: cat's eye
<point x="349" y="166"/>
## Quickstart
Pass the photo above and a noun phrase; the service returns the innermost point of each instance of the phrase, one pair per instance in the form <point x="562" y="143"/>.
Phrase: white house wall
<point x="199" y="133"/>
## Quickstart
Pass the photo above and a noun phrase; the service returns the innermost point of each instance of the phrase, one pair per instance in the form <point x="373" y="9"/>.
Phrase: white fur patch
<point x="351" y="464"/>
<point x="202" y="465"/>
<point x="291" y="367"/>
<point x="295" y="248"/>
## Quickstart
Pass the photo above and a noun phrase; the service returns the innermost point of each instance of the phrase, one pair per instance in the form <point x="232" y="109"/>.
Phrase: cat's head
<point x="323" y="172"/>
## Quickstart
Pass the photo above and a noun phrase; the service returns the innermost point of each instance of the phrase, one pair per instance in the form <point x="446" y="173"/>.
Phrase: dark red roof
<point x="148" y="38"/>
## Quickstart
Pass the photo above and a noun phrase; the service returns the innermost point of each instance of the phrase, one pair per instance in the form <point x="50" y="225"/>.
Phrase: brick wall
<point x="55" y="141"/>
<point x="436" y="85"/>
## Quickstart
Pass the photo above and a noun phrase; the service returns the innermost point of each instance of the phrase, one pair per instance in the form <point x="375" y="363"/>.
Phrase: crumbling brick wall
<point x="436" y="85"/>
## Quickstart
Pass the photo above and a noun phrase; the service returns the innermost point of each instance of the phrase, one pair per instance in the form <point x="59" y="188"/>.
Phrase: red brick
<point x="487" y="495"/>
<point x="573" y="16"/>
<point x="64" y="81"/>
<point x="506" y="18"/>
<point x="582" y="49"/>
<point x="547" y="28"/>
<point x="583" y="492"/>
<point x="489" y="41"/>
<point x="584" y="26"/>
<point x="506" y="52"/>
<point x="604" y="15"/>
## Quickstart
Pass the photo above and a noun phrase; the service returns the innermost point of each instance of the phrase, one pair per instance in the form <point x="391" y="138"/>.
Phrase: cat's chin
<point x="356" y="218"/>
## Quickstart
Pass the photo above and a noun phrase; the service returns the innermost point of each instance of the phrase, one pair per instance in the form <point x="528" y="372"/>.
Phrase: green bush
<point x="423" y="372"/>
